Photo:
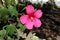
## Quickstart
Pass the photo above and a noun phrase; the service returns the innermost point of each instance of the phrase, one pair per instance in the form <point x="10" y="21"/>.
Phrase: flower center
<point x="31" y="18"/>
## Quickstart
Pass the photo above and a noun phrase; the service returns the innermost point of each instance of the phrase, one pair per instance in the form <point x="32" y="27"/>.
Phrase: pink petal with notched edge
<point x="30" y="9"/>
<point x="37" y="23"/>
<point x="38" y="14"/>
<point x="29" y="25"/>
<point x="23" y="19"/>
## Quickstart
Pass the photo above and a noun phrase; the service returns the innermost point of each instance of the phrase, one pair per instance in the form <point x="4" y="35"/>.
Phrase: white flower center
<point x="32" y="18"/>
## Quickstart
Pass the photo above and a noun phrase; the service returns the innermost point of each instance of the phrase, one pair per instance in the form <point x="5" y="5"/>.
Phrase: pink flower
<point x="31" y="19"/>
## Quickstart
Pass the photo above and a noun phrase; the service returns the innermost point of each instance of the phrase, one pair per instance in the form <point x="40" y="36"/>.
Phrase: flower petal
<point x="23" y="19"/>
<point x="37" y="23"/>
<point x="30" y="9"/>
<point x="29" y="25"/>
<point x="38" y="14"/>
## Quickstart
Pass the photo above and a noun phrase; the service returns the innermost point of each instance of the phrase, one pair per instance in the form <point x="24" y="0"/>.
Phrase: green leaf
<point x="4" y="13"/>
<point x="9" y="38"/>
<point x="2" y="33"/>
<point x="10" y="2"/>
<point x="18" y="24"/>
<point x="11" y="29"/>
<point x="23" y="9"/>
<point x="7" y="2"/>
<point x="1" y="39"/>
<point x="22" y="27"/>
<point x="35" y="38"/>
<point x="22" y="4"/>
<point x="13" y="2"/>
<point x="5" y="17"/>
<point x="13" y="11"/>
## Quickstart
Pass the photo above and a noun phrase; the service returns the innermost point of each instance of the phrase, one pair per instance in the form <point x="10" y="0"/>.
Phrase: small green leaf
<point x="5" y="17"/>
<point x="1" y="39"/>
<point x="9" y="38"/>
<point x="11" y="29"/>
<point x="10" y="2"/>
<point x="22" y="4"/>
<point x="22" y="27"/>
<point x="23" y="9"/>
<point x="7" y="2"/>
<point x="18" y="24"/>
<point x="2" y="33"/>
<point x="13" y="11"/>
<point x="13" y="2"/>
<point x="4" y="13"/>
<point x="35" y="38"/>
